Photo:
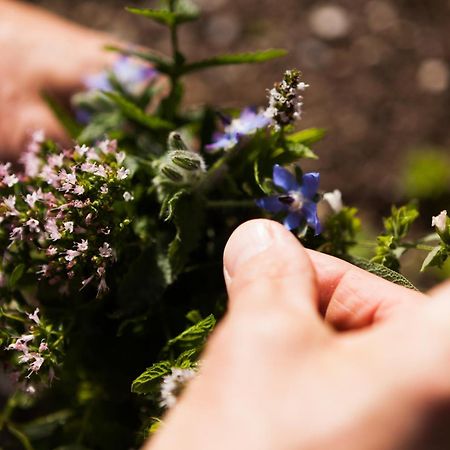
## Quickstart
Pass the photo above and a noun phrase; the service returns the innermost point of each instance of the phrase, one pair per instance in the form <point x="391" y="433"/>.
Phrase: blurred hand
<point x="371" y="372"/>
<point x="40" y="53"/>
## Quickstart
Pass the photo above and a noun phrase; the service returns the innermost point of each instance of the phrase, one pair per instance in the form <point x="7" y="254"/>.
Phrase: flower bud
<point x="175" y="142"/>
<point x="171" y="173"/>
<point x="187" y="160"/>
<point x="440" y="221"/>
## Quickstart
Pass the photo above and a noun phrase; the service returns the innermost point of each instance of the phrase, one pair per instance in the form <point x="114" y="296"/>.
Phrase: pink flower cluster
<point x="60" y="211"/>
<point x="30" y="353"/>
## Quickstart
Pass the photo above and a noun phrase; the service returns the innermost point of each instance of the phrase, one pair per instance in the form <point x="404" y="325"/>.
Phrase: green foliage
<point x="340" y="232"/>
<point x="389" y="245"/>
<point x="194" y="337"/>
<point x="233" y="59"/>
<point x="381" y="271"/>
<point x="186" y="12"/>
<point x="132" y="112"/>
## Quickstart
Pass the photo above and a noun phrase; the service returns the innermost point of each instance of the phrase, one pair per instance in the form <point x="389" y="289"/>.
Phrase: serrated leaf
<point x="381" y="271"/>
<point x="16" y="275"/>
<point x="133" y="112"/>
<point x="307" y="137"/>
<point x="238" y="58"/>
<point x="149" y="380"/>
<point x="195" y="336"/>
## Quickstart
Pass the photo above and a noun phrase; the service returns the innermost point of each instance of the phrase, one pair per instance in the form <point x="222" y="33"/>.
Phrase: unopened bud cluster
<point x="180" y="165"/>
<point x="285" y="100"/>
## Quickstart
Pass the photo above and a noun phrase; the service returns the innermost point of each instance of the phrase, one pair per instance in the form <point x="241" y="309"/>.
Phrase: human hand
<point x="278" y="375"/>
<point x="40" y="53"/>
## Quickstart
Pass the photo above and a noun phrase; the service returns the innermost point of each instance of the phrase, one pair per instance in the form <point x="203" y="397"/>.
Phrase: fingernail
<point x="244" y="244"/>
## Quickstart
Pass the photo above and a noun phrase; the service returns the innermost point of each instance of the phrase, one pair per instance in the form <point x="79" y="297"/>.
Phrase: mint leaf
<point x="238" y="58"/>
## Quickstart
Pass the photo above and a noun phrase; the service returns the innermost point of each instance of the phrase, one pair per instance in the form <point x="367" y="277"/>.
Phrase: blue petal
<point x="310" y="184"/>
<point x="284" y="179"/>
<point x="310" y="211"/>
<point x="292" y="220"/>
<point x="271" y="204"/>
<point x="222" y="141"/>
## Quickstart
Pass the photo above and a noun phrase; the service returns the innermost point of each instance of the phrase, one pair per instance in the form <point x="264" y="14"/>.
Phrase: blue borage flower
<point x="129" y="73"/>
<point x="297" y="200"/>
<point x="248" y="122"/>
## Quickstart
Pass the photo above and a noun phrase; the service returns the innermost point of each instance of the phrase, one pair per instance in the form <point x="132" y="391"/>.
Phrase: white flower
<point x="71" y="255"/>
<point x="78" y="190"/>
<point x="16" y="234"/>
<point x="35" y="316"/>
<point x="10" y="180"/>
<point x="82" y="246"/>
<point x="68" y="226"/>
<point x="31" y="199"/>
<point x="173" y="384"/>
<point x="128" y="197"/>
<point x="440" y="221"/>
<point x="104" y="189"/>
<point x="120" y="157"/>
<point x="105" y="251"/>
<point x="52" y="229"/>
<point x="33" y="225"/>
<point x="334" y="199"/>
<point x="51" y="251"/>
<point x="122" y="173"/>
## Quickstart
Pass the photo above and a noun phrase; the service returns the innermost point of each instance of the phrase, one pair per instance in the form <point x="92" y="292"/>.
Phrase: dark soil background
<point x="378" y="70"/>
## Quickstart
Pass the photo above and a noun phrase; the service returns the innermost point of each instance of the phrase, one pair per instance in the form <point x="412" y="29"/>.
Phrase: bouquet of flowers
<point x="111" y="272"/>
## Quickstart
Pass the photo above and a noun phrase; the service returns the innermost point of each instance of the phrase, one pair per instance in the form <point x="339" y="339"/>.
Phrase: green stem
<point x="21" y="437"/>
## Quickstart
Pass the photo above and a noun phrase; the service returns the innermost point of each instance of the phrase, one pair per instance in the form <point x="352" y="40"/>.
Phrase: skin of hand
<point x="40" y="52"/>
<point x="315" y="353"/>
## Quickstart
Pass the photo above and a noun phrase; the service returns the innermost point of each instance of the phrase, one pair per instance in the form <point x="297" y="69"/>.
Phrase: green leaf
<point x="307" y="137"/>
<point x="166" y="17"/>
<point x="161" y="63"/>
<point x="238" y="58"/>
<point x="436" y="257"/>
<point x="64" y="117"/>
<point x="149" y="380"/>
<point x="293" y="152"/>
<point x="45" y="426"/>
<point x="16" y="275"/>
<point x="133" y="112"/>
<point x="381" y="271"/>
<point x="195" y="336"/>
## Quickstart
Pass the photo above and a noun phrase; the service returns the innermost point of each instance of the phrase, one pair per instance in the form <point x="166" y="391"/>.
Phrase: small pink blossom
<point x="43" y="347"/>
<point x="52" y="229"/>
<point x="16" y="234"/>
<point x="10" y="180"/>
<point x="104" y="189"/>
<point x="122" y="173"/>
<point x="82" y="246"/>
<point x="105" y="250"/>
<point x="51" y="251"/>
<point x="35" y="316"/>
<point x="68" y="226"/>
<point x="71" y="255"/>
<point x="33" y="225"/>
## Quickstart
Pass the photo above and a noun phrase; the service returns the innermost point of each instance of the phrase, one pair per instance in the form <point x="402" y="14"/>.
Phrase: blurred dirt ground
<point x="378" y="70"/>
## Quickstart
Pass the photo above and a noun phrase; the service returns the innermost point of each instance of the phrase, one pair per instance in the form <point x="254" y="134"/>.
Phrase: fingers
<point x="267" y="270"/>
<point x="352" y="298"/>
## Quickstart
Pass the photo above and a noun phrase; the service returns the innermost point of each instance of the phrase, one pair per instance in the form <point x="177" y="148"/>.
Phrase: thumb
<point x="267" y="270"/>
